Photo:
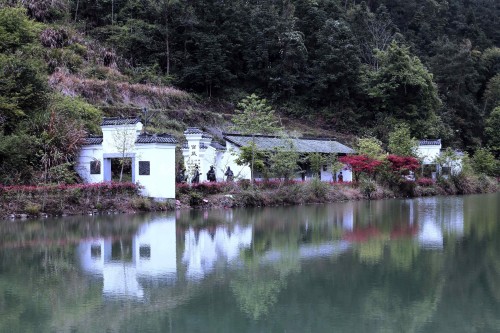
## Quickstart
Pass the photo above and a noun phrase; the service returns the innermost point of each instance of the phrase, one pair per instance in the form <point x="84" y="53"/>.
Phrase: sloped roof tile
<point x="92" y="140"/>
<point x="302" y="145"/>
<point x="155" y="138"/>
<point x="430" y="142"/>
<point x="114" y="121"/>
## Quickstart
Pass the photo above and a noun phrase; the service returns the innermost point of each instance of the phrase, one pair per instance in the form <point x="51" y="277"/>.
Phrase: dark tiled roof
<point x="203" y="146"/>
<point x="193" y="130"/>
<point x="155" y="138"/>
<point x="430" y="142"/>
<point x="217" y="146"/>
<point x="92" y="140"/>
<point x="302" y="145"/>
<point x="205" y="135"/>
<point x="113" y="121"/>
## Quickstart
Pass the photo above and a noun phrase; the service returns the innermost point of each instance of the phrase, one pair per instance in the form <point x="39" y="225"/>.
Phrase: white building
<point x="152" y="156"/>
<point x="202" y="151"/>
<point x="429" y="150"/>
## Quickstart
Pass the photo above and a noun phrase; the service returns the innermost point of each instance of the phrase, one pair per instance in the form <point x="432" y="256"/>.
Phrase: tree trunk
<point x="167" y="42"/>
<point x="253" y="159"/>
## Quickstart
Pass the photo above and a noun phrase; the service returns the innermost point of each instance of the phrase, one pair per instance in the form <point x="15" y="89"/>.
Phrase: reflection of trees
<point x="471" y="296"/>
<point x="256" y="287"/>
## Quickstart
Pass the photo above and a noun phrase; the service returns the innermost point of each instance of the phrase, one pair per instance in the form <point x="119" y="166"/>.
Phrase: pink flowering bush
<point x="61" y="189"/>
<point x="425" y="182"/>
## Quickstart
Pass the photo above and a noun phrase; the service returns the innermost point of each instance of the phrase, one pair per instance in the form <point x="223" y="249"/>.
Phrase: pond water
<point x="419" y="265"/>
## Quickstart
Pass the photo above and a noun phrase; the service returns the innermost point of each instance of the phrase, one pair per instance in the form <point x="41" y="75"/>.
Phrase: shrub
<point x="195" y="199"/>
<point x="143" y="204"/>
<point x="425" y="182"/>
<point x="317" y="189"/>
<point x="407" y="188"/>
<point x="465" y="184"/>
<point x="33" y="208"/>
<point x="249" y="198"/>
<point x="425" y="191"/>
<point x="447" y="186"/>
<point x="368" y="187"/>
<point x="244" y="184"/>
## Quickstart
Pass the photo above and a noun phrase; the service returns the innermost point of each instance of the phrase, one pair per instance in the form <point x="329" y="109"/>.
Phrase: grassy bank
<point x="106" y="198"/>
<point x="276" y="193"/>
<point x="79" y="199"/>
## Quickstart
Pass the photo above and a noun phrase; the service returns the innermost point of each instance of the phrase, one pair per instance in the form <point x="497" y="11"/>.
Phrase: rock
<point x="23" y="216"/>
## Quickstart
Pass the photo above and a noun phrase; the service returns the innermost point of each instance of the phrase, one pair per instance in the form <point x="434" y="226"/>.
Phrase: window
<point x="144" y="251"/>
<point x="95" y="167"/>
<point x="144" y="168"/>
<point x="95" y="251"/>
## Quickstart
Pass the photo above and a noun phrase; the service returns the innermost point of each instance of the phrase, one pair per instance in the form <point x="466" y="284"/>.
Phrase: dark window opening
<point x="95" y="167"/>
<point x="95" y="251"/>
<point x="144" y="168"/>
<point x="145" y="251"/>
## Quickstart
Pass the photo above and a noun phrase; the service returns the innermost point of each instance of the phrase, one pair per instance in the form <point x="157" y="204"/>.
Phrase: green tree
<point x="316" y="160"/>
<point x="403" y="89"/>
<point x="484" y="162"/>
<point x="371" y="147"/>
<point x="254" y="116"/>
<point x="401" y="142"/>
<point x="492" y="131"/>
<point x="16" y="29"/>
<point x="283" y="159"/>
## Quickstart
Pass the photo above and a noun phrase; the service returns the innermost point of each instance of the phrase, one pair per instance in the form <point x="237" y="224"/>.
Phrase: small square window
<point x="95" y="167"/>
<point x="145" y="251"/>
<point x="144" y="169"/>
<point x="95" y="251"/>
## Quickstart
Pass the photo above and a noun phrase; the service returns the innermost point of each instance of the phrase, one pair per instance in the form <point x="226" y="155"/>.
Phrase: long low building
<point x="200" y="150"/>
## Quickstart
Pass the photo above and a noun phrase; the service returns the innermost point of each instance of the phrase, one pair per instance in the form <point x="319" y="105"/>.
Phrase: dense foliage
<point x="356" y="67"/>
<point x="353" y="66"/>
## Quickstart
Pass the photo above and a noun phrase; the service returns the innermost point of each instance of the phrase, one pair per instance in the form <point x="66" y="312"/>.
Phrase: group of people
<point x="211" y="176"/>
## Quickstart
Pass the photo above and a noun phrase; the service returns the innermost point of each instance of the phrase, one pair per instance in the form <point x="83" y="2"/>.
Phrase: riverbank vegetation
<point x="78" y="199"/>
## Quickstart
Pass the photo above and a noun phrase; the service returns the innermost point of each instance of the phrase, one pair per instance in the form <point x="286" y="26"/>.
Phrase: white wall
<point x="228" y="159"/>
<point x="160" y="236"/>
<point x="160" y="183"/>
<point x="112" y="135"/>
<point x="88" y="154"/>
<point x="428" y="153"/>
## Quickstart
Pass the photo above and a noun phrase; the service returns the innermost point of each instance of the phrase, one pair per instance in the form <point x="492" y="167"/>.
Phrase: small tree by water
<point x="254" y="116"/>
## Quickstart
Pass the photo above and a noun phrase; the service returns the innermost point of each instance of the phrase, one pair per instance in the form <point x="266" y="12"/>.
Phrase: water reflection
<point x="395" y="265"/>
<point x="201" y="242"/>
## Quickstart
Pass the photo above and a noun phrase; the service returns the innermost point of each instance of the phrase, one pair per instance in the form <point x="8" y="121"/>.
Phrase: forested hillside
<point x="353" y="67"/>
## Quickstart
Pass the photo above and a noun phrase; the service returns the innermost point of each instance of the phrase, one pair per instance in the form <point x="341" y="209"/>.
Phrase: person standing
<point x="211" y="174"/>
<point x="229" y="174"/>
<point x="196" y="175"/>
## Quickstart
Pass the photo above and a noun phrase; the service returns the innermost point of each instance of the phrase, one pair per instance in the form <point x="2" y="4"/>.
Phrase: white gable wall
<point x="229" y="160"/>
<point x="428" y="153"/>
<point x="87" y="155"/>
<point x="160" y="183"/>
<point x="112" y="136"/>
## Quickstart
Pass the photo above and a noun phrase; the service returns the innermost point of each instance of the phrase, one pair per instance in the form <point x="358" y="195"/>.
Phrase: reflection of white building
<point x="152" y="253"/>
<point x="438" y="216"/>
<point x="203" y="249"/>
